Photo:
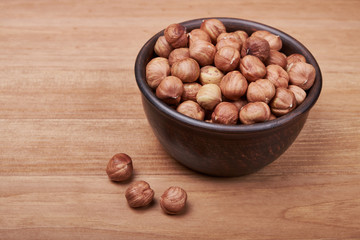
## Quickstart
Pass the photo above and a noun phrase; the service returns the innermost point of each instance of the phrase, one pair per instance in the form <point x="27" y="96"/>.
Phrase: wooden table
<point x="69" y="101"/>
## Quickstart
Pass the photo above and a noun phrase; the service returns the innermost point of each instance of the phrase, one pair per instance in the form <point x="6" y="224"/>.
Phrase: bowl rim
<point x="311" y="98"/>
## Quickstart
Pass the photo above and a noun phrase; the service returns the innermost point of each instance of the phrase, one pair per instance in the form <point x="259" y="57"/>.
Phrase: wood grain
<point x="69" y="101"/>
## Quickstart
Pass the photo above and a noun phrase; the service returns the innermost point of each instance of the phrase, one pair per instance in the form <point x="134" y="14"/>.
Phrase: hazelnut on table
<point x="173" y="200"/>
<point x="120" y="167"/>
<point x="139" y="194"/>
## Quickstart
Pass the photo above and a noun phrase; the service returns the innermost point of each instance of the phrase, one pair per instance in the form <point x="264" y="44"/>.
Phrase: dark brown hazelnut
<point x="139" y="194"/>
<point x="233" y="85"/>
<point x="190" y="91"/>
<point x="227" y="59"/>
<point x="162" y="48"/>
<point x="203" y="52"/>
<point x="261" y="90"/>
<point x="191" y="109"/>
<point x="188" y="70"/>
<point x="170" y="90"/>
<point x="178" y="54"/>
<point x="225" y="113"/>
<point x="120" y="167"/>
<point x="156" y="70"/>
<point x="175" y="35"/>
<point x="213" y="27"/>
<point x="257" y="47"/>
<point x="283" y="102"/>
<point x="277" y="75"/>
<point x="252" y="68"/>
<point x="254" y="112"/>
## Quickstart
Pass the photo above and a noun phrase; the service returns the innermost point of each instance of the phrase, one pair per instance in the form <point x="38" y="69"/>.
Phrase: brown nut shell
<point x="178" y="54"/>
<point x="261" y="90"/>
<point x="233" y="85"/>
<point x="277" y="75"/>
<point x="198" y="34"/>
<point x="203" y="52"/>
<point x="191" y="109"/>
<point x="213" y="27"/>
<point x="162" y="48"/>
<point x="173" y="200"/>
<point x="225" y="113"/>
<point x="273" y="40"/>
<point x="252" y="68"/>
<point x="243" y="35"/>
<point x="254" y="112"/>
<point x="188" y="70"/>
<point x="156" y="70"/>
<point x="229" y="39"/>
<point x="190" y="91"/>
<point x="227" y="59"/>
<point x="209" y="96"/>
<point x="276" y="58"/>
<point x="210" y="74"/>
<point x="257" y="47"/>
<point x="302" y="74"/>
<point x="299" y="93"/>
<point x="170" y="90"/>
<point x="294" y="58"/>
<point x="139" y="194"/>
<point x="175" y="35"/>
<point x="240" y="103"/>
<point x="283" y="102"/>
<point x="120" y="167"/>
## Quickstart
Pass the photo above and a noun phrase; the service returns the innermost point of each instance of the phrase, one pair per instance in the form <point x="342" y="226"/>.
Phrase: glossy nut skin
<point x="283" y="102"/>
<point x="156" y="70"/>
<point x="257" y="47"/>
<point x="225" y="113"/>
<point x="191" y="109"/>
<point x="210" y="74"/>
<point x="227" y="59"/>
<point x="162" y="48"/>
<point x="213" y="27"/>
<point x="120" y="167"/>
<point x="175" y="35"/>
<point x="276" y="58"/>
<point x="170" y="90"/>
<point x="173" y="200"/>
<point x="188" y="70"/>
<point x="178" y="54"/>
<point x="233" y="85"/>
<point x="277" y="75"/>
<point x="261" y="90"/>
<point x="139" y="194"/>
<point x="254" y="112"/>
<point x="190" y="91"/>
<point x="302" y="74"/>
<point x="209" y="96"/>
<point x="203" y="52"/>
<point x="299" y="93"/>
<point x="252" y="68"/>
<point x="273" y="40"/>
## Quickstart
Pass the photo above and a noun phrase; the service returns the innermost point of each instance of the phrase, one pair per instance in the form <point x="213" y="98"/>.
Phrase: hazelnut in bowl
<point x="258" y="74"/>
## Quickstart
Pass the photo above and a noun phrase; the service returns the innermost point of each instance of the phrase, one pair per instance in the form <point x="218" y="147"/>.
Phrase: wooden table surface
<point x="69" y="101"/>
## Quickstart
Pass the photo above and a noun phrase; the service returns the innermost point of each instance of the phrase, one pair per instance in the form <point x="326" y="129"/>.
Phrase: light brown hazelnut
<point x="293" y="58"/>
<point x="229" y="39"/>
<point x="162" y="48"/>
<point x="283" y="102"/>
<point x="261" y="90"/>
<point x="257" y="47"/>
<point x="156" y="70"/>
<point x="203" y="52"/>
<point x="273" y="40"/>
<point x="240" y="103"/>
<point x="139" y="194"/>
<point x="120" y="167"/>
<point x="198" y="34"/>
<point x="277" y="75"/>
<point x="243" y="35"/>
<point x="209" y="96"/>
<point x="233" y="85"/>
<point x="178" y="54"/>
<point x="213" y="27"/>
<point x="191" y="109"/>
<point x="227" y="59"/>
<point x="299" y="93"/>
<point x="175" y="35"/>
<point x="188" y="70"/>
<point x="252" y="68"/>
<point x="170" y="90"/>
<point x="254" y="112"/>
<point x="225" y="113"/>
<point x="190" y="91"/>
<point x="173" y="200"/>
<point x="302" y="74"/>
<point x="210" y="74"/>
<point x="276" y="58"/>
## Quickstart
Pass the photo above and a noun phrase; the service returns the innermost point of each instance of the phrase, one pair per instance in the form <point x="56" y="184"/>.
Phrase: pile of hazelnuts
<point x="227" y="77"/>
<point x="139" y="193"/>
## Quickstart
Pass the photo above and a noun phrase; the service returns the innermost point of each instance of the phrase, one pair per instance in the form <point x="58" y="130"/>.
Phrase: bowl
<point x="217" y="149"/>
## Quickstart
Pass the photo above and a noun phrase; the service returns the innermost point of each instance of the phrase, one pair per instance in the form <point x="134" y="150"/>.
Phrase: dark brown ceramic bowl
<point x="222" y="150"/>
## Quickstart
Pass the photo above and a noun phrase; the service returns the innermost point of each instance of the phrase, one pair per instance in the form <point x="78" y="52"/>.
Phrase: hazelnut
<point x="210" y="74"/>
<point x="272" y="117"/>
<point x="162" y="48"/>
<point x="233" y="85"/>
<point x="240" y="103"/>
<point x="243" y="35"/>
<point x="139" y="194"/>
<point x="178" y="54"/>
<point x="302" y="74"/>
<point x="257" y="47"/>
<point x="273" y="40"/>
<point x="190" y="91"/>
<point x="173" y="200"/>
<point x="170" y="90"/>
<point x="198" y="34"/>
<point x="209" y="96"/>
<point x="175" y="35"/>
<point x="299" y="93"/>
<point x="261" y="90"/>
<point x="188" y="70"/>
<point x="203" y="52"/>
<point x="276" y="58"/>
<point x="252" y="68"/>
<point x="254" y="112"/>
<point x="191" y="109"/>
<point x="213" y="27"/>
<point x="277" y="75"/>
<point x="227" y="59"/>
<point x="283" y="102"/>
<point x="120" y="167"/>
<point x="229" y="39"/>
<point x="293" y="58"/>
<point x="156" y="70"/>
<point x="225" y="113"/>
